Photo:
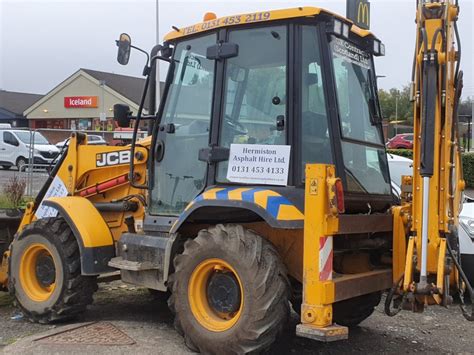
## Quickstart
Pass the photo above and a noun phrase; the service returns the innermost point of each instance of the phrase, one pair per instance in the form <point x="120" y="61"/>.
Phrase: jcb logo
<point x="113" y="158"/>
<point x="359" y="12"/>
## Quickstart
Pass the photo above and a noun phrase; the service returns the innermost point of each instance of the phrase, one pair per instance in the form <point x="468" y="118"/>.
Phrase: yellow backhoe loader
<point x="263" y="186"/>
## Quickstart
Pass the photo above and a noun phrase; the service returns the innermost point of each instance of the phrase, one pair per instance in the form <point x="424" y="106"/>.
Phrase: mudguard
<point x="93" y="236"/>
<point x="277" y="210"/>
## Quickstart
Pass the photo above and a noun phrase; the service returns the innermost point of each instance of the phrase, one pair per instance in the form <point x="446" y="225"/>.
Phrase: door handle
<point x="159" y="150"/>
<point x="3" y="149"/>
<point x="280" y="123"/>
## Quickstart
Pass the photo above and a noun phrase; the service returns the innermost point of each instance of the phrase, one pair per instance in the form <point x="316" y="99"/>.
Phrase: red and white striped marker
<point x="325" y="258"/>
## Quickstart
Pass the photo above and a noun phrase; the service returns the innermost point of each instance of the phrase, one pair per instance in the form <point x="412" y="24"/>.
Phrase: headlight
<point x="37" y="152"/>
<point x="468" y="225"/>
<point x="341" y="28"/>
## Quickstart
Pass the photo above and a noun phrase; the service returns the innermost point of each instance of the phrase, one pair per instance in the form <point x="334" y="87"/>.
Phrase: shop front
<point x="84" y="102"/>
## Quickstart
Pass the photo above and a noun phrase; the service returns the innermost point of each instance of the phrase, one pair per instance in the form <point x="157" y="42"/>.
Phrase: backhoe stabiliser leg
<point x="424" y="235"/>
<point x="437" y="175"/>
<point x="321" y="222"/>
<point x="430" y="83"/>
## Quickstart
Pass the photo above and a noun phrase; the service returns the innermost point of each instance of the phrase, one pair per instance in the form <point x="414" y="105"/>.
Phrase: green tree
<point x="466" y="107"/>
<point x="395" y="100"/>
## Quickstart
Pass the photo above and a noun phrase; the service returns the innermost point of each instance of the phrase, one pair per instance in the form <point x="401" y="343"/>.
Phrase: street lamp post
<point x="396" y="114"/>
<point x="157" y="63"/>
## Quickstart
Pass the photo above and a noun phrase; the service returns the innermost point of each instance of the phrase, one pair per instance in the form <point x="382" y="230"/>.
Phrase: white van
<point x="15" y="148"/>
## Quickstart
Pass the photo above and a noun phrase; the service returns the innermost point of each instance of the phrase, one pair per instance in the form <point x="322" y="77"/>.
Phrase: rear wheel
<point x="349" y="312"/>
<point x="353" y="311"/>
<point x="45" y="272"/>
<point x="229" y="292"/>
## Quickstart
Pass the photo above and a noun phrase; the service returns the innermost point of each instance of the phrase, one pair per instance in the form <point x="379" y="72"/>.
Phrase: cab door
<point x="255" y="100"/>
<point x="179" y="175"/>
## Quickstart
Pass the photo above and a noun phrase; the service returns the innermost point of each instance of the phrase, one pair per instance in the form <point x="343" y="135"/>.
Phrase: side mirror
<point x="122" y="115"/>
<point x="124" y="45"/>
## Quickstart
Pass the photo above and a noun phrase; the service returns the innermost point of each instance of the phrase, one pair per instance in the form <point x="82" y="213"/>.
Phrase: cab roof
<point x="259" y="17"/>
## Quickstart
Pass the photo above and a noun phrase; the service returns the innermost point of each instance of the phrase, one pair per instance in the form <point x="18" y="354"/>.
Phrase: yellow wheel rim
<point x="204" y="313"/>
<point x="34" y="257"/>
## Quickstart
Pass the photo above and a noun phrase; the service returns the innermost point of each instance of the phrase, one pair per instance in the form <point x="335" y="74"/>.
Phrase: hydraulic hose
<point x="465" y="313"/>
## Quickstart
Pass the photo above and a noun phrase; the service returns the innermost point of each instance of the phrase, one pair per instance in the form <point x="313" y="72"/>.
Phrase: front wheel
<point x="45" y="272"/>
<point x="229" y="291"/>
<point x="20" y="163"/>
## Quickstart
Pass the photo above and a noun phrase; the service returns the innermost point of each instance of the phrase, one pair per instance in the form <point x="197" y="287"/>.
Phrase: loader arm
<point x="96" y="186"/>
<point x="430" y="271"/>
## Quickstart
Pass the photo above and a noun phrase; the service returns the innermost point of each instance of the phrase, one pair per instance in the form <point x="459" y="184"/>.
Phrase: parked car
<point x="403" y="166"/>
<point x="123" y="136"/>
<point x="92" y="139"/>
<point x="15" y="148"/>
<point x="401" y="141"/>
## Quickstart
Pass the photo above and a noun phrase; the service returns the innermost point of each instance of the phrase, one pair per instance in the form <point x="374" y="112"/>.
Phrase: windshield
<point x="26" y="138"/>
<point x="362" y="141"/>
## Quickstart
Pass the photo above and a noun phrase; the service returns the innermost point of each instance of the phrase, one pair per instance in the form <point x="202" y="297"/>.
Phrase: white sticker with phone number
<point x="56" y="189"/>
<point x="259" y="164"/>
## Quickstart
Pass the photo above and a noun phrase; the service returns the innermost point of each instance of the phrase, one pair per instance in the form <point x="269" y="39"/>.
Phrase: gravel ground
<point x="437" y="330"/>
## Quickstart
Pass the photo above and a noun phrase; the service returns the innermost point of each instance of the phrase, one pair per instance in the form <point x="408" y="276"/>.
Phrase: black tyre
<point x="21" y="162"/>
<point x="230" y="292"/>
<point x="353" y="311"/>
<point x="6" y="167"/>
<point x="160" y="296"/>
<point x="349" y="312"/>
<point x="45" y="272"/>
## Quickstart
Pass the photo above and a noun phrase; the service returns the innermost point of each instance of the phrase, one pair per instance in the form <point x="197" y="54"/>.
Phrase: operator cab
<point x="307" y="81"/>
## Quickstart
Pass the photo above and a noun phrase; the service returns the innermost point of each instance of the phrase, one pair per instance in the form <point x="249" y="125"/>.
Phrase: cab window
<point x="315" y="143"/>
<point x="363" y="150"/>
<point x="255" y="90"/>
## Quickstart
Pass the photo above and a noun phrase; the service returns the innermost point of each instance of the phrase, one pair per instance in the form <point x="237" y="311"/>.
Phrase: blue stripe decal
<point x="273" y="204"/>
<point x="199" y="198"/>
<point x="224" y="194"/>
<point x="249" y="195"/>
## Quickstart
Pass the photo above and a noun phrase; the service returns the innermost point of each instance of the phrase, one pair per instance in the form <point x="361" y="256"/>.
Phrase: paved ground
<point x="149" y="323"/>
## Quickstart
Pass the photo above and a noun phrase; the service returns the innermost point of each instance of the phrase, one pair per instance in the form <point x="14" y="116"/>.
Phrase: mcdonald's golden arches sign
<point x="359" y="12"/>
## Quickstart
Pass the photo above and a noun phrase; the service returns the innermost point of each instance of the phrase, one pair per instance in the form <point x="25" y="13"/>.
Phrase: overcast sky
<point x="43" y="42"/>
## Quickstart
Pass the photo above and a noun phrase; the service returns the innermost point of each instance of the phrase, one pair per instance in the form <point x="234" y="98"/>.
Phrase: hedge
<point x="407" y="153"/>
<point x="468" y="168"/>
<point x="467" y="163"/>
